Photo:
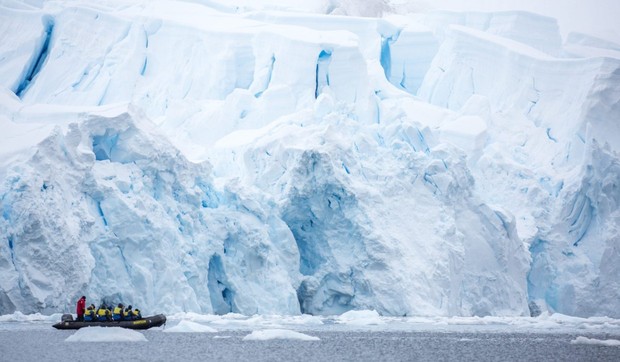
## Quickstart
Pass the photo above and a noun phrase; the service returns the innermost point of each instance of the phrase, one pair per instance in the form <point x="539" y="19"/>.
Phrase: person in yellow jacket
<point x="136" y="314"/>
<point x="89" y="314"/>
<point x="127" y="313"/>
<point x="117" y="314"/>
<point x="103" y="313"/>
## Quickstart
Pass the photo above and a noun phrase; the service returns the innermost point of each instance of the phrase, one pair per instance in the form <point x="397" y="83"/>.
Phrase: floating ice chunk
<point x="599" y="342"/>
<point x="267" y="334"/>
<point x="360" y="318"/>
<point x="186" y="326"/>
<point x="233" y="320"/>
<point x="304" y="319"/>
<point x="36" y="317"/>
<point x="194" y="317"/>
<point x="106" y="334"/>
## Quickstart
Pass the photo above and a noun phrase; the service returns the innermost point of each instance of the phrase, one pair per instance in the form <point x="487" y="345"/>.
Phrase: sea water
<point x="389" y="341"/>
<point x="359" y="336"/>
<point x="50" y="345"/>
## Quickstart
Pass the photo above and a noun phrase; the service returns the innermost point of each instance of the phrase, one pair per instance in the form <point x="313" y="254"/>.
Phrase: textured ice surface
<point x="106" y="334"/>
<point x="598" y="342"/>
<point x="186" y="326"/>
<point x="216" y="158"/>
<point x="360" y="318"/>
<point x="126" y="215"/>
<point x="267" y="334"/>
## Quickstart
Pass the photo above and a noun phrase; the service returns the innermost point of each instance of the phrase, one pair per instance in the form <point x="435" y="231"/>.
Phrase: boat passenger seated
<point x="103" y="314"/>
<point x="136" y="314"/>
<point x="89" y="314"/>
<point x="127" y="313"/>
<point x="117" y="315"/>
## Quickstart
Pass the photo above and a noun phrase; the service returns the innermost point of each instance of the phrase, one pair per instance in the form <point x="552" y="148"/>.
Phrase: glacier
<point x="196" y="156"/>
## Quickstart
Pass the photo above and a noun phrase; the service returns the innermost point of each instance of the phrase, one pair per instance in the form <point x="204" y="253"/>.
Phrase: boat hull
<point x="144" y="323"/>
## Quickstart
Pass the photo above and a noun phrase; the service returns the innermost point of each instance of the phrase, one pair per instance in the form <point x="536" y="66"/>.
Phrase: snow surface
<point x="106" y="334"/>
<point x="269" y="334"/>
<point x="265" y="158"/>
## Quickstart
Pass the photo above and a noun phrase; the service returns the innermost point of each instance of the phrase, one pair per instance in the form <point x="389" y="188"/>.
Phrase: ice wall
<point x="110" y="210"/>
<point x="516" y="77"/>
<point x="332" y="188"/>
<point x="362" y="245"/>
<point x="545" y="171"/>
<point x="574" y="267"/>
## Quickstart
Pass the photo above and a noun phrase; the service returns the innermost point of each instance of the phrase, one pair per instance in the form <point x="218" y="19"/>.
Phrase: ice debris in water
<point x="186" y="326"/>
<point x="106" y="334"/>
<point x="268" y="334"/>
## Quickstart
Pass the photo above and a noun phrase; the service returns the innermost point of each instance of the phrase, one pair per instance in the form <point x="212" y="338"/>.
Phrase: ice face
<point x="572" y="267"/>
<point x="116" y="213"/>
<point x="570" y="123"/>
<point x="362" y="245"/>
<point x="190" y="157"/>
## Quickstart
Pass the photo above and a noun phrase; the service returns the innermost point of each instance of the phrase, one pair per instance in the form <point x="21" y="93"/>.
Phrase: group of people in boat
<point x="105" y="313"/>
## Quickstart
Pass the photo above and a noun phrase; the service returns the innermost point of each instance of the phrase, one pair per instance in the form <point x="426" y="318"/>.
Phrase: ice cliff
<point x="192" y="156"/>
<point x="109" y="209"/>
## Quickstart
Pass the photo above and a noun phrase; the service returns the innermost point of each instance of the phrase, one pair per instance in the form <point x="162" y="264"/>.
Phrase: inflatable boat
<point x="67" y="322"/>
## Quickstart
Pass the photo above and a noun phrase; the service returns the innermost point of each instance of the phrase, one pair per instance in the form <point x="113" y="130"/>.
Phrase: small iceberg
<point x="106" y="334"/>
<point x="360" y="318"/>
<point x="186" y="326"/>
<point x="599" y="342"/>
<point x="267" y="334"/>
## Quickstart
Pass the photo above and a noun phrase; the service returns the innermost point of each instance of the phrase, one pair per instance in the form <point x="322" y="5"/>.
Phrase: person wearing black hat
<point x="103" y="313"/>
<point x="136" y="314"/>
<point x="91" y="314"/>
<point x="127" y="313"/>
<point x="117" y="315"/>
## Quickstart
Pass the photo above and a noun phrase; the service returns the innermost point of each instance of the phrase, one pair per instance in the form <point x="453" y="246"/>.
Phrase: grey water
<point x="47" y="344"/>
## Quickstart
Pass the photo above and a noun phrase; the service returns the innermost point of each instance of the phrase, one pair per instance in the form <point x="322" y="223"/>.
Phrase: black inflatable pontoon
<point x="144" y="323"/>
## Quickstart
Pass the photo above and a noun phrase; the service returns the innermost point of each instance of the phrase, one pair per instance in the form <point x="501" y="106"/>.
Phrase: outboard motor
<point x="67" y="318"/>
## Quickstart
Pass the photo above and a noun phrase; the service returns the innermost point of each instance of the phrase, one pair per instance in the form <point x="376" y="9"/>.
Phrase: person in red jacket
<point x="80" y="308"/>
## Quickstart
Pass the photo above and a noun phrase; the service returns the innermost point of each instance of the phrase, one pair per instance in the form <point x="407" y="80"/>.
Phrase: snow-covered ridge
<point x="450" y="164"/>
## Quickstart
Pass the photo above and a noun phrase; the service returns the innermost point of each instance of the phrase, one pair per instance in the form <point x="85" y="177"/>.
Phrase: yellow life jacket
<point x="118" y="310"/>
<point x="90" y="312"/>
<point x="102" y="312"/>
